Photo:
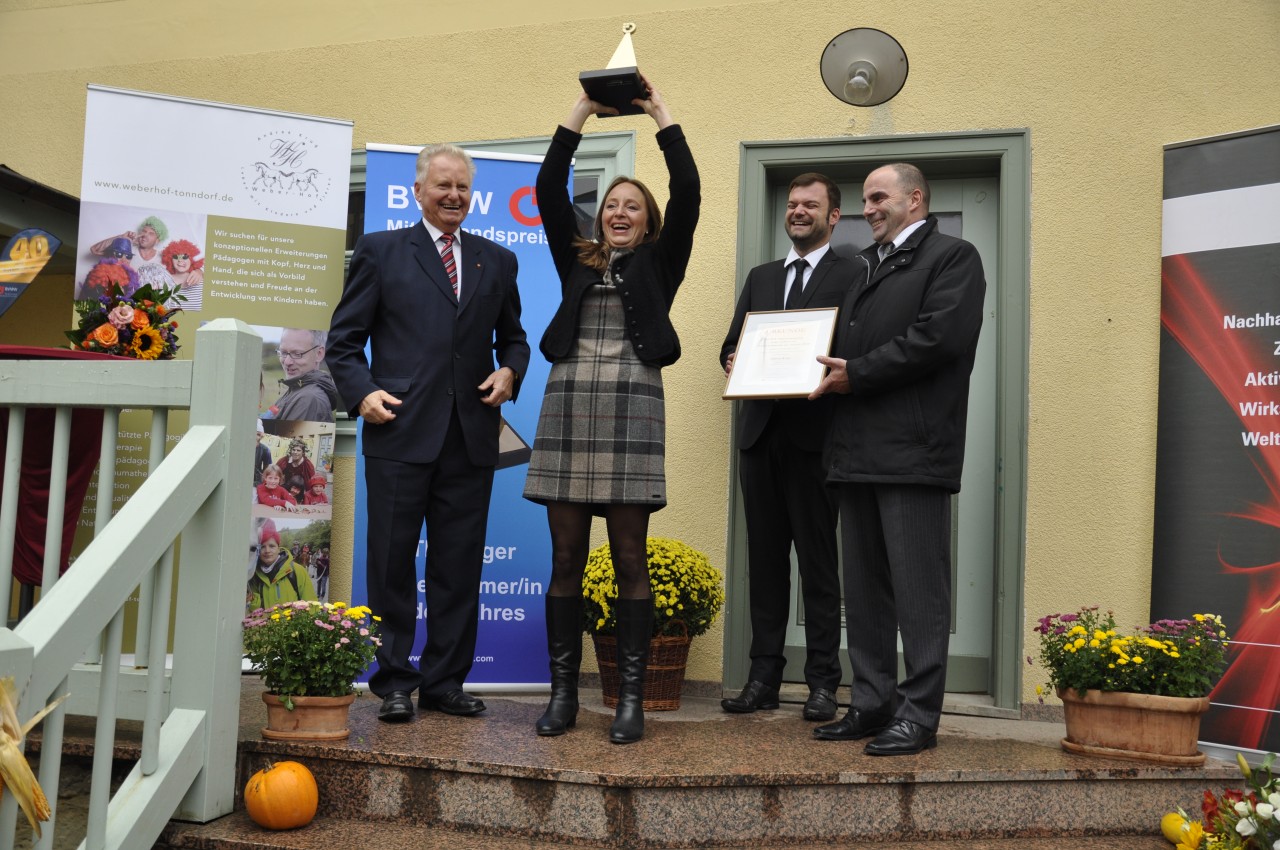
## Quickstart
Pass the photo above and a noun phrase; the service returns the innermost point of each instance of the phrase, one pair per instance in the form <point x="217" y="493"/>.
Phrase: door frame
<point x="763" y="166"/>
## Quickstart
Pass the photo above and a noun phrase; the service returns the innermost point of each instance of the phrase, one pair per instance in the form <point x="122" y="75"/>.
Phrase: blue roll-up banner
<point x="511" y="648"/>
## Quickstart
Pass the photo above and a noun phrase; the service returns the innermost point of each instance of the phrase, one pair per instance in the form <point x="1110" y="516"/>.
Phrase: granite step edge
<point x="871" y="771"/>
<point x="238" y="832"/>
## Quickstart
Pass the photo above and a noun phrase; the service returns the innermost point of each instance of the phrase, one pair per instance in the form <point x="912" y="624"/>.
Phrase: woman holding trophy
<point x="599" y="447"/>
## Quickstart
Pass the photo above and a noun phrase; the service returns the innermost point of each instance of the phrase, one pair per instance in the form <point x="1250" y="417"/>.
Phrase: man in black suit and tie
<point x="784" y="493"/>
<point x="436" y="304"/>
<point x="903" y="355"/>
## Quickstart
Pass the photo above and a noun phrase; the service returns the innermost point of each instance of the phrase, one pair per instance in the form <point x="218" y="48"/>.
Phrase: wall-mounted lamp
<point x="864" y="66"/>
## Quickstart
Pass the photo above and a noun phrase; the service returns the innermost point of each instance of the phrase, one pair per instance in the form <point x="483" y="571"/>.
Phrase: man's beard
<point x="812" y="240"/>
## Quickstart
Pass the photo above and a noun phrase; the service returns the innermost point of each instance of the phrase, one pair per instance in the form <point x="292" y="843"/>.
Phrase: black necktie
<point x="797" y="285"/>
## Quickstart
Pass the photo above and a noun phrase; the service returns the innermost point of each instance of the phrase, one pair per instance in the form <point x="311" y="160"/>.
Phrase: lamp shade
<point x="864" y="66"/>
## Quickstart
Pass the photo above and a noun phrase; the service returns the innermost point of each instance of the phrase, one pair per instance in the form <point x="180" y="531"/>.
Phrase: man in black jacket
<point x="780" y="465"/>
<point x="903" y="355"/>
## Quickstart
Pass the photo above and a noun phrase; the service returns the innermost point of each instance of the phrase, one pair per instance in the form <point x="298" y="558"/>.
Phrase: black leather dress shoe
<point x="397" y="707"/>
<point x="821" y="705"/>
<point x="902" y="738"/>
<point x="854" y="725"/>
<point x="756" y="696"/>
<point x="456" y="702"/>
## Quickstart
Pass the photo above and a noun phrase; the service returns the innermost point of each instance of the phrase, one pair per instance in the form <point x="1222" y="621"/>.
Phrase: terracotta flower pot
<point x="1134" y="726"/>
<point x="312" y="718"/>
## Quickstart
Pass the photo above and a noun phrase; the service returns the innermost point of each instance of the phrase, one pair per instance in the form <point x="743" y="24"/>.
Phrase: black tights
<point x="628" y="528"/>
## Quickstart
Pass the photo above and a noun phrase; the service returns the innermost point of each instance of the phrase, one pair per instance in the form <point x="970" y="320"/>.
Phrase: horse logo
<point x="281" y="180"/>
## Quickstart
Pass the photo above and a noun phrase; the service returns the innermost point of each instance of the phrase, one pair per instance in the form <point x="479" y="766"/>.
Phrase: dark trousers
<point x="786" y="501"/>
<point x="452" y="495"/>
<point x="897" y="578"/>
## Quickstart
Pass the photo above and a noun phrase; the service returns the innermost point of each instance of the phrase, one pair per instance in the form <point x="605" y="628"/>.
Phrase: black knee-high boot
<point x="635" y="627"/>
<point x="564" y="644"/>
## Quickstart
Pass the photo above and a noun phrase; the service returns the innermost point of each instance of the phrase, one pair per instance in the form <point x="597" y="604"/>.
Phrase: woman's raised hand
<point x="584" y="107"/>
<point x="653" y="105"/>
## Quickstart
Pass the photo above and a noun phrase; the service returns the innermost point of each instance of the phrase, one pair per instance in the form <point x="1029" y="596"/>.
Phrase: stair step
<point x="700" y="778"/>
<point x="704" y="778"/>
<point x="238" y="832"/>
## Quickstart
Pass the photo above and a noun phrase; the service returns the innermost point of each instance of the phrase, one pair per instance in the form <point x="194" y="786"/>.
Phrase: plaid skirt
<point x="602" y="430"/>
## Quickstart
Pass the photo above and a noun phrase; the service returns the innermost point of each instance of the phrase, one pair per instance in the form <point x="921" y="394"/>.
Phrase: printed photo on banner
<point x="141" y="246"/>
<point x="293" y="469"/>
<point x="288" y="561"/>
<point x="296" y="382"/>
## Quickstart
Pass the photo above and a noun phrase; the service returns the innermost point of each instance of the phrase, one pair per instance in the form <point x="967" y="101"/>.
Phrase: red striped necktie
<point x="446" y="254"/>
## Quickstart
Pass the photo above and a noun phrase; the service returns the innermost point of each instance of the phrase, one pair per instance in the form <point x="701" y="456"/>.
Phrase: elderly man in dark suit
<point x="437" y="305"/>
<point x="780" y="465"/>
<point x="903" y="355"/>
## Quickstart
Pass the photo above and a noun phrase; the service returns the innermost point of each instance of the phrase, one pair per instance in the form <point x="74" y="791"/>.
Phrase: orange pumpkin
<point x="282" y="796"/>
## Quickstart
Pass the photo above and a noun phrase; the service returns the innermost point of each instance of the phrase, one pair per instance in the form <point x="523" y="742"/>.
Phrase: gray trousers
<point x="897" y="578"/>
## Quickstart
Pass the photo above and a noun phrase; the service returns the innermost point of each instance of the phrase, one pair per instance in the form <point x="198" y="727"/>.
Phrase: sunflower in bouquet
<point x="126" y="320"/>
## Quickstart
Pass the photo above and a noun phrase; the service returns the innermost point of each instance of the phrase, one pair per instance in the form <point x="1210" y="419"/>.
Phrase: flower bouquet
<point x="1084" y="651"/>
<point x="127" y="322"/>
<point x="687" y="596"/>
<point x="1234" y="819"/>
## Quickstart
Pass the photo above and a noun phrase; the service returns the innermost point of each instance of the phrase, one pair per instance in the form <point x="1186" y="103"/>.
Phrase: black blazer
<point x="648" y="279"/>
<point x="429" y="350"/>
<point x="804" y="421"/>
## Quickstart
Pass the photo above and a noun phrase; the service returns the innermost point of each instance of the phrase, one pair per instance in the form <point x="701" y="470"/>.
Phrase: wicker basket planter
<point x="663" y="678"/>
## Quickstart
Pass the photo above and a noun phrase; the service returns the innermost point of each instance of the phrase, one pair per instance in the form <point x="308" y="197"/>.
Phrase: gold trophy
<point x="619" y="82"/>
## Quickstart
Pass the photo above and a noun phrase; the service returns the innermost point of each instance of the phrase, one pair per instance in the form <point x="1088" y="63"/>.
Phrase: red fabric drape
<point x="37" y="455"/>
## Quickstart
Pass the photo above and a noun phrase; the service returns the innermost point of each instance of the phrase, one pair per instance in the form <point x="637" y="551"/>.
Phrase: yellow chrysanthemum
<point x="683" y="584"/>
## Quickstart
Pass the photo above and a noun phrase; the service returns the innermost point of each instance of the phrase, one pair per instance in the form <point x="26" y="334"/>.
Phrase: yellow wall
<point x="1102" y="87"/>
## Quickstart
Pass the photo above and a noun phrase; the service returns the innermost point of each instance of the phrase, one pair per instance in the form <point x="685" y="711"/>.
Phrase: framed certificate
<point x="777" y="353"/>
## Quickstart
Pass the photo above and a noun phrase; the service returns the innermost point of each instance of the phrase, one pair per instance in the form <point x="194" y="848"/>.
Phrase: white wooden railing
<point x="71" y="639"/>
